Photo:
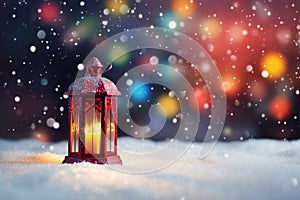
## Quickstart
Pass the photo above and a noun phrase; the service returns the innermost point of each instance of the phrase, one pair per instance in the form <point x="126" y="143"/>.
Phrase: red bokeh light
<point x="280" y="107"/>
<point x="41" y="135"/>
<point x="203" y="98"/>
<point x="257" y="90"/>
<point x="48" y="12"/>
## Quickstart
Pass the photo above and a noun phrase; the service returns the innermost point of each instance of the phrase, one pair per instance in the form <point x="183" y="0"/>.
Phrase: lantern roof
<point x="93" y="83"/>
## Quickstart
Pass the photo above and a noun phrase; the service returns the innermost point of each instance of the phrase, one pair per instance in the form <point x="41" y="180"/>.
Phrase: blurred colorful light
<point x="117" y="7"/>
<point x="48" y="12"/>
<point x="203" y="98"/>
<point x="210" y="27"/>
<point x="237" y="33"/>
<point x="87" y="27"/>
<point x="84" y="31"/>
<point x="141" y="93"/>
<point x="118" y="55"/>
<point x="284" y="36"/>
<point x="41" y="135"/>
<point x="172" y="24"/>
<point x="227" y="131"/>
<point x="273" y="64"/>
<point x="169" y="104"/>
<point x="280" y="107"/>
<point x="183" y="8"/>
<point x="230" y="84"/>
<point x="257" y="90"/>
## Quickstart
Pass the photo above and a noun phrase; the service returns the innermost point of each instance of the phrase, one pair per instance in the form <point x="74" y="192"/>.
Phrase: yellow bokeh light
<point x="210" y="27"/>
<point x="117" y="6"/>
<point x="274" y="63"/>
<point x="170" y="105"/>
<point x="183" y="8"/>
<point x="118" y="54"/>
<point x="227" y="131"/>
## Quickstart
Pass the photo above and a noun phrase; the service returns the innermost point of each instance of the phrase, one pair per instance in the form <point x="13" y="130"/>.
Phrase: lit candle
<point x="93" y="139"/>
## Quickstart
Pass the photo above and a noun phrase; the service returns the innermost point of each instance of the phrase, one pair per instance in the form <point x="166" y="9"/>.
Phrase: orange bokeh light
<point x="210" y="27"/>
<point x="280" y="107"/>
<point x="274" y="63"/>
<point x="115" y="6"/>
<point x="230" y="84"/>
<point x="41" y="135"/>
<point x="183" y="8"/>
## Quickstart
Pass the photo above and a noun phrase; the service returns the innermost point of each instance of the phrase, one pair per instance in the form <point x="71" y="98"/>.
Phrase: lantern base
<point x="93" y="159"/>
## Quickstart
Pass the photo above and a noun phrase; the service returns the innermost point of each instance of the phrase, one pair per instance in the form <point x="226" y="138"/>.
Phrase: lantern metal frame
<point x="93" y="118"/>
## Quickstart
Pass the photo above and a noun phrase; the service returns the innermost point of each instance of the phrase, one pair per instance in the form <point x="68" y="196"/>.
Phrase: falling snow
<point x="17" y="99"/>
<point x="254" y="44"/>
<point x="32" y="49"/>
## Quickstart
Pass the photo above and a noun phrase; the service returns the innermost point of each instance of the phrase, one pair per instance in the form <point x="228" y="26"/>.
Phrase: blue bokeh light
<point x="141" y="93"/>
<point x="44" y="82"/>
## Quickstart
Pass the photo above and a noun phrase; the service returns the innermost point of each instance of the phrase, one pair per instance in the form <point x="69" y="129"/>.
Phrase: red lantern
<point x="93" y="118"/>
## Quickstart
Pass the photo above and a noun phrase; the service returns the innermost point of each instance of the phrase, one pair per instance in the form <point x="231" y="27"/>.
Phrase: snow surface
<point x="254" y="169"/>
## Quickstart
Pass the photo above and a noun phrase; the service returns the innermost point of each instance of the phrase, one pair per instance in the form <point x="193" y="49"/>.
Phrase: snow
<point x="254" y="169"/>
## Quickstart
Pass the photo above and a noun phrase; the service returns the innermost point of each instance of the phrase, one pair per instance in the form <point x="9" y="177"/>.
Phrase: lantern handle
<point x="108" y="68"/>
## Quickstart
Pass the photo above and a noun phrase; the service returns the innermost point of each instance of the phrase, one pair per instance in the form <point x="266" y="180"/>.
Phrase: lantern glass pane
<point x="110" y="125"/>
<point x="114" y="123"/>
<point x="92" y="126"/>
<point x="74" y="125"/>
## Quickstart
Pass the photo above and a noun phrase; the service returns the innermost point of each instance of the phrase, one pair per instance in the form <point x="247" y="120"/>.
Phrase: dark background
<point x="236" y="34"/>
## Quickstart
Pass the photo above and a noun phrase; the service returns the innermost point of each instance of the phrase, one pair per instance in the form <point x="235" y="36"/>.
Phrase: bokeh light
<point x="169" y="20"/>
<point x="44" y="81"/>
<point x="87" y="27"/>
<point x="203" y="98"/>
<point x="115" y="52"/>
<point x="230" y="84"/>
<point x="141" y="93"/>
<point x="227" y="131"/>
<point x="117" y="7"/>
<point x="284" y="36"/>
<point x="280" y="107"/>
<point x="41" y="135"/>
<point x="170" y="105"/>
<point x="254" y="44"/>
<point x="48" y="12"/>
<point x="257" y="90"/>
<point x="237" y="33"/>
<point x="172" y="24"/>
<point x="210" y="28"/>
<point x="79" y="33"/>
<point x="273" y="64"/>
<point x="183" y="8"/>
